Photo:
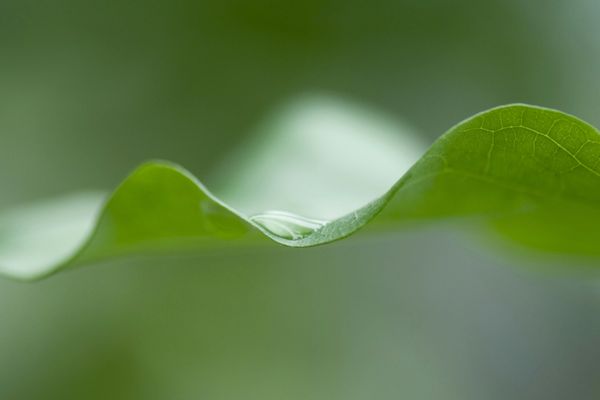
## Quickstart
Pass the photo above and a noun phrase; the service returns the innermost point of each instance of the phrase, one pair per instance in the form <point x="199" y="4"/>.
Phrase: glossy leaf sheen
<point x="532" y="173"/>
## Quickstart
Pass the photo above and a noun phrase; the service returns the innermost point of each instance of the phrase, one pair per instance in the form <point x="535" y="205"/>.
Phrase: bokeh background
<point x="90" y="90"/>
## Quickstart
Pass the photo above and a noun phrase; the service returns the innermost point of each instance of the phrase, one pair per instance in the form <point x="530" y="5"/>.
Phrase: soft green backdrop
<point x="88" y="91"/>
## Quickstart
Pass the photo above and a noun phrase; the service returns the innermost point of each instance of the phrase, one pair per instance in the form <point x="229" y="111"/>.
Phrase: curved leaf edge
<point x="324" y="232"/>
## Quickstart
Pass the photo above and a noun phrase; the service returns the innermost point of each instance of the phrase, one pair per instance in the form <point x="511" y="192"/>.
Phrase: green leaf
<point x="532" y="173"/>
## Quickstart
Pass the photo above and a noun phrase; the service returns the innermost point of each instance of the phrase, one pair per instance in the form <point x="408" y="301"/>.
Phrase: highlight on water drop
<point x="287" y="225"/>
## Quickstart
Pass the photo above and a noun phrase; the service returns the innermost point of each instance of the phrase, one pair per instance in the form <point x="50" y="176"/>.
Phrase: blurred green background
<point x="90" y="90"/>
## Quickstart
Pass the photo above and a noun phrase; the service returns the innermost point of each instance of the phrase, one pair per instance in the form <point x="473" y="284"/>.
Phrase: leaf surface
<point x="531" y="173"/>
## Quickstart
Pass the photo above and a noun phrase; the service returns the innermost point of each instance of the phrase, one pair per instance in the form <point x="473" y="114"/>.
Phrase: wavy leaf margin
<point x="532" y="173"/>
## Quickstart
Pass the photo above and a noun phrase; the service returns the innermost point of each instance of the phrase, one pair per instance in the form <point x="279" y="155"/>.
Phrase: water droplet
<point x="286" y="225"/>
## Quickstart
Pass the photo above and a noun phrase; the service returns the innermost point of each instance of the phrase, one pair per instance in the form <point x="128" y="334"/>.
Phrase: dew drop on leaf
<point x="287" y="225"/>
